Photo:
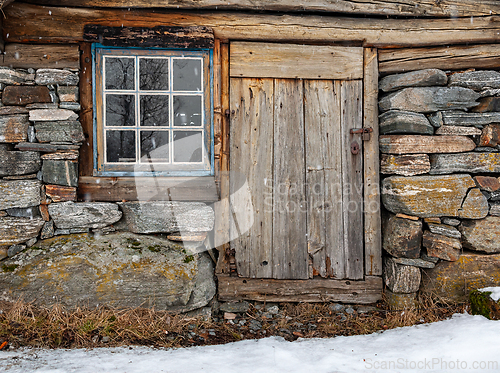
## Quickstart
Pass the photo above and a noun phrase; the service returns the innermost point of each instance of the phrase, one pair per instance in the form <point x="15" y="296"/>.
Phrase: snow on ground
<point x="495" y="292"/>
<point x="463" y="343"/>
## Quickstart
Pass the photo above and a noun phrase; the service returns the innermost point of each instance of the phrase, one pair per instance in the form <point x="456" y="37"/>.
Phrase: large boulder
<point x="119" y="269"/>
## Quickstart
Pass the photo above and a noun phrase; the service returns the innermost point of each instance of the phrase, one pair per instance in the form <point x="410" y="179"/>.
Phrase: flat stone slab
<point x="59" y="131"/>
<point x="426" y="196"/>
<point x="458" y="131"/>
<point x="487" y="183"/>
<point x="68" y="93"/>
<point x="406" y="165"/>
<point x="452" y="281"/>
<point x="19" y="193"/>
<point x="441" y="247"/>
<point x="404" y="122"/>
<point x="15" y="230"/>
<point x="488" y="104"/>
<point x="466" y="162"/>
<point x="13" y="77"/>
<point x="60" y="172"/>
<point x="23" y="95"/>
<point x="420" y="78"/>
<point x="400" y="278"/>
<point x="48" y="115"/>
<point x="429" y="99"/>
<point x="420" y="263"/>
<point x="68" y="215"/>
<point x="166" y="217"/>
<point x="445" y="230"/>
<point x="118" y="269"/>
<point x="481" y="235"/>
<point x="14" y="163"/>
<point x="415" y="144"/>
<point x="477" y="80"/>
<point x="14" y="128"/>
<point x="402" y="238"/>
<point x="56" y="77"/>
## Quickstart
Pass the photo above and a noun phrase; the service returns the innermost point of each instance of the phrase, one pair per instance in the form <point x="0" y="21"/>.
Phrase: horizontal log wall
<point x="38" y="24"/>
<point x="429" y="8"/>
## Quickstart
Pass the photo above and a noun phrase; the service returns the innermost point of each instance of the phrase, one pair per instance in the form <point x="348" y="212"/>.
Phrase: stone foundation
<point x="440" y="165"/>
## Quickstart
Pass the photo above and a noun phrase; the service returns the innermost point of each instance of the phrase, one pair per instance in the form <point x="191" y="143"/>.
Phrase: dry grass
<point x="24" y="324"/>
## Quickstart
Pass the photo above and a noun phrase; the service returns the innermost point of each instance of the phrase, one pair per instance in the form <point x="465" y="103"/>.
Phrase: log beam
<point x="38" y="24"/>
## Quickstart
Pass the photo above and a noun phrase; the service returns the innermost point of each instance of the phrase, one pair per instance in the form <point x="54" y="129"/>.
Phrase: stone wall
<point x="440" y="163"/>
<point x="40" y="137"/>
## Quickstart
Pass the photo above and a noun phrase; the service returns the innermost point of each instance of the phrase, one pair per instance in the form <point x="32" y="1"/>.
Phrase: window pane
<point x="188" y="146"/>
<point x="153" y="74"/>
<point x="120" y="110"/>
<point x="154" y="146"/>
<point x="120" y="73"/>
<point x="154" y="110"/>
<point x="120" y="146"/>
<point x="187" y="111"/>
<point x="187" y="74"/>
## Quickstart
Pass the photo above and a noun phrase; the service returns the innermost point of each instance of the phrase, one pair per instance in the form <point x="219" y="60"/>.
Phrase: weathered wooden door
<point x="292" y="109"/>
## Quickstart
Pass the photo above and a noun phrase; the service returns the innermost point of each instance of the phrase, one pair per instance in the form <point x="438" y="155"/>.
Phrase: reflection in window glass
<point x="120" y="110"/>
<point x="154" y="146"/>
<point x="154" y="110"/>
<point x="188" y="146"/>
<point x="120" y="146"/>
<point x="120" y="73"/>
<point x="187" y="111"/>
<point x="187" y="74"/>
<point x="153" y="74"/>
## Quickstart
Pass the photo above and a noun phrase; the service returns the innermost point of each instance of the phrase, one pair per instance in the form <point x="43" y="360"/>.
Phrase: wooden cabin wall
<point x="456" y="35"/>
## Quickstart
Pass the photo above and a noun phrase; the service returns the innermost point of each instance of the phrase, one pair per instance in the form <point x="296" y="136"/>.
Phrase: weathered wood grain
<point x="401" y="144"/>
<point x="449" y="57"/>
<point x="41" y="56"/>
<point x="335" y="250"/>
<point x="264" y="60"/>
<point x="371" y="177"/>
<point x="251" y="144"/>
<point x="352" y="178"/>
<point x="159" y="36"/>
<point x="290" y="257"/>
<point x="147" y="189"/>
<point x="320" y="114"/>
<point x="86" y="102"/>
<point x="313" y="290"/>
<point x="427" y="8"/>
<point x="35" y="23"/>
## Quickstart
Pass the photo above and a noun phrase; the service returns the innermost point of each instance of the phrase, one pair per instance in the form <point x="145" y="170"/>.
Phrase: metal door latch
<point x="365" y="132"/>
<point x="354" y="147"/>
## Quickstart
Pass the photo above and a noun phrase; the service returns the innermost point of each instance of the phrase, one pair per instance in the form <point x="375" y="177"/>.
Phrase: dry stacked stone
<point x="40" y="139"/>
<point x="440" y="165"/>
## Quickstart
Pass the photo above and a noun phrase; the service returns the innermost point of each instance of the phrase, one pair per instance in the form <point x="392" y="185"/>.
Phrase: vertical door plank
<point x="322" y="131"/>
<point x="352" y="172"/>
<point x="252" y="157"/>
<point x="290" y="257"/>
<point x="222" y="217"/>
<point x="334" y="216"/>
<point x="373" y="230"/>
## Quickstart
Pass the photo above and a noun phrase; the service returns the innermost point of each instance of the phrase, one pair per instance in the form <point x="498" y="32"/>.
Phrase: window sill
<point x="116" y="189"/>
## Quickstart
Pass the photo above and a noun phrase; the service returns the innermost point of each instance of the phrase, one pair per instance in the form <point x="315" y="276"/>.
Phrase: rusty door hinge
<point x="365" y="132"/>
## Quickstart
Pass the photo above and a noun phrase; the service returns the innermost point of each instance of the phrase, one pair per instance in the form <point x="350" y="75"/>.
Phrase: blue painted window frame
<point x="99" y="170"/>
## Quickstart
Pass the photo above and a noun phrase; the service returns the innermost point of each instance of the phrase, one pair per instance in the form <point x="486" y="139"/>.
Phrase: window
<point x="153" y="112"/>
